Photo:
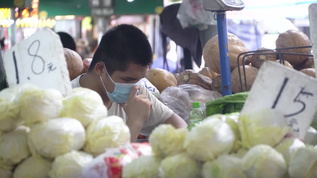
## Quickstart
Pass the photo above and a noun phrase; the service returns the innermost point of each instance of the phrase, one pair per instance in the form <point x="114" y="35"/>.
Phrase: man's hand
<point x="137" y="109"/>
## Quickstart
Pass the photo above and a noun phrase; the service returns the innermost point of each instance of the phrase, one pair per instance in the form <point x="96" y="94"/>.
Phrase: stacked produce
<point x="85" y="142"/>
<point x="251" y="145"/>
<point x="293" y="49"/>
<point x="43" y="134"/>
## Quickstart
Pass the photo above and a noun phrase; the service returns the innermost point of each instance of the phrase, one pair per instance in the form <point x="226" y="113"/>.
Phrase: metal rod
<point x="224" y="53"/>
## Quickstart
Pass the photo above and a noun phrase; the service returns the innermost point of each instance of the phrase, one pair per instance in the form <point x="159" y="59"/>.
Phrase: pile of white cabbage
<point x="252" y="145"/>
<point x="45" y="134"/>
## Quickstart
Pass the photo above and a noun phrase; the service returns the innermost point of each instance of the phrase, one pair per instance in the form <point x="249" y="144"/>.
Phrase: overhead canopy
<point x="65" y="7"/>
<point x="82" y="7"/>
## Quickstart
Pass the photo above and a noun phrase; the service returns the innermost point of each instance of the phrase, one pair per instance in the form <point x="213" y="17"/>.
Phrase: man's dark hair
<point x="67" y="40"/>
<point x="122" y="45"/>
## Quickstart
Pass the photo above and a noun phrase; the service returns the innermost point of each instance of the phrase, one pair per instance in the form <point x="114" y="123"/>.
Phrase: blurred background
<point x="258" y="24"/>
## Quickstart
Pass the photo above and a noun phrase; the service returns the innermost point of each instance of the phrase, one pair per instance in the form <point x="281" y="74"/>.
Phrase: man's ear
<point x="100" y="68"/>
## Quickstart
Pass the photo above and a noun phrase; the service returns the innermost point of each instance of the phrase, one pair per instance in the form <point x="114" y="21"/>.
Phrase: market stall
<point x="265" y="128"/>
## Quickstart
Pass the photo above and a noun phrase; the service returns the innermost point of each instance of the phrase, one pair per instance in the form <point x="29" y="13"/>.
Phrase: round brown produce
<point x="293" y="38"/>
<point x="261" y="55"/>
<point x="286" y="63"/>
<point x="161" y="78"/>
<point x="74" y="63"/>
<point x="250" y="73"/>
<point x="307" y="63"/>
<point x="206" y="71"/>
<point x="309" y="71"/>
<point x="211" y="52"/>
<point x="188" y="76"/>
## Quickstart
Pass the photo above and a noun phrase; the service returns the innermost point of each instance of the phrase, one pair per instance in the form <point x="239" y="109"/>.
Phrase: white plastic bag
<point x="192" y="13"/>
<point x="180" y="98"/>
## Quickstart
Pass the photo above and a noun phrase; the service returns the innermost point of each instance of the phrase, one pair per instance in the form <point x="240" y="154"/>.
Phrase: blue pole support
<point x="224" y="53"/>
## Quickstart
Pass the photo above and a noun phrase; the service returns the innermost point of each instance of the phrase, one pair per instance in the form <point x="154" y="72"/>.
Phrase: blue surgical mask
<point x="121" y="91"/>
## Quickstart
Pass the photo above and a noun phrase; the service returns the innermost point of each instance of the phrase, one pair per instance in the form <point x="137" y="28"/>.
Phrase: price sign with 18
<point x="38" y="60"/>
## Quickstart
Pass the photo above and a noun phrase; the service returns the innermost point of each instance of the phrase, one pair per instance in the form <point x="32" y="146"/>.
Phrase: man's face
<point x="133" y="74"/>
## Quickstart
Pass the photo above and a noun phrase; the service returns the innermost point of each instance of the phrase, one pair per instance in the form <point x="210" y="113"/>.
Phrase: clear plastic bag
<point x="192" y="13"/>
<point x="180" y="98"/>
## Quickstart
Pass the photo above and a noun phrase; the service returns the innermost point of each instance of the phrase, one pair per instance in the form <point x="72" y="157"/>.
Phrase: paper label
<point x="291" y="92"/>
<point x="38" y="60"/>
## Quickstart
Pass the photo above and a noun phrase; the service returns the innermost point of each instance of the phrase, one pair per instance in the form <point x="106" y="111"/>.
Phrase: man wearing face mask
<point x="122" y="59"/>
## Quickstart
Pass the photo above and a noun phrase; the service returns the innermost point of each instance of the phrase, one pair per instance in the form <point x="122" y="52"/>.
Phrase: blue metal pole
<point x="224" y="53"/>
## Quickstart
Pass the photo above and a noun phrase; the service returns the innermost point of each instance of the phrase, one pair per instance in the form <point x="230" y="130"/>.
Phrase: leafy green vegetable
<point x="227" y="104"/>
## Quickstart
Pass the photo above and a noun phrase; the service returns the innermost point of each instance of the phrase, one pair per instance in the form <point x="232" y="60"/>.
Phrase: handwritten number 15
<point x="297" y="99"/>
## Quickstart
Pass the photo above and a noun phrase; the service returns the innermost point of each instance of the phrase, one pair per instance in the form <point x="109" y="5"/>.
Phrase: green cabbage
<point x="84" y="105"/>
<point x="263" y="161"/>
<point x="227" y="166"/>
<point x="142" y="167"/>
<point x="69" y="165"/>
<point x="9" y="109"/>
<point x="165" y="140"/>
<point x="13" y="146"/>
<point x="210" y="138"/>
<point x="266" y="126"/>
<point x="179" y="166"/>
<point x="35" y="167"/>
<point x="56" y="137"/>
<point x="109" y="132"/>
<point x="38" y="105"/>
<point x="303" y="162"/>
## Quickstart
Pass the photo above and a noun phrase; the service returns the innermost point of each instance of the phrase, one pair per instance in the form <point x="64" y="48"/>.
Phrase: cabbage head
<point x="84" y="105"/>
<point x="69" y="165"/>
<point x="303" y="162"/>
<point x="267" y="126"/>
<point x="180" y="166"/>
<point x="34" y="166"/>
<point x="142" y="167"/>
<point x="13" y="146"/>
<point x="56" y="137"/>
<point x="209" y="139"/>
<point x="165" y="140"/>
<point x="263" y="161"/>
<point x="287" y="146"/>
<point x="38" y="105"/>
<point x="9" y="109"/>
<point x="109" y="132"/>
<point x="225" y="165"/>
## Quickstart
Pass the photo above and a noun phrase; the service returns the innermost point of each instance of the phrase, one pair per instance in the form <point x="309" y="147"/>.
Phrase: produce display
<point x="45" y="134"/>
<point x="293" y="49"/>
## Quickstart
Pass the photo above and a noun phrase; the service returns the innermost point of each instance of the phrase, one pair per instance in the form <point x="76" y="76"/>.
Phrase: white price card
<point x="291" y="92"/>
<point x="38" y="60"/>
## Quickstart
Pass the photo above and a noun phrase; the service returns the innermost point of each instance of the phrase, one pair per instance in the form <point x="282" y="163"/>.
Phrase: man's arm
<point x="176" y="121"/>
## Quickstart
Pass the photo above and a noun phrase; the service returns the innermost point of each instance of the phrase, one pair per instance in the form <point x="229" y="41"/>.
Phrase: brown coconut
<point x="250" y="73"/>
<point x="211" y="52"/>
<point x="293" y="38"/>
<point x="161" y="78"/>
<point x="309" y="71"/>
<point x="286" y="63"/>
<point x="74" y="63"/>
<point x="261" y="55"/>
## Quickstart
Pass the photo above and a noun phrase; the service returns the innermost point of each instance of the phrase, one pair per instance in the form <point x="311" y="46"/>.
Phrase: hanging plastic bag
<point x="192" y="13"/>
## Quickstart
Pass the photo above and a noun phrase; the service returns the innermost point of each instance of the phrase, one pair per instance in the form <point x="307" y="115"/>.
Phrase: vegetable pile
<point x="251" y="145"/>
<point x="86" y="142"/>
<point x="43" y="134"/>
